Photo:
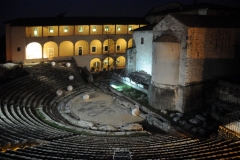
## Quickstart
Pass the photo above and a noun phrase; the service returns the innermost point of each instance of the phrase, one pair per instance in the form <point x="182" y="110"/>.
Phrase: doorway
<point x="80" y="50"/>
<point x="50" y="53"/>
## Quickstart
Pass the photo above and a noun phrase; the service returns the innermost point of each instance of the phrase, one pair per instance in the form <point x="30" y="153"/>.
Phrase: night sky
<point x="11" y="9"/>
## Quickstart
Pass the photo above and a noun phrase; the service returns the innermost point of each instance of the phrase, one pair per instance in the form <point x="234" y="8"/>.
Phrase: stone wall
<point x="162" y="98"/>
<point x="178" y="98"/>
<point x="143" y="41"/>
<point x="166" y="63"/>
<point x="131" y="61"/>
<point x="205" y="54"/>
<point x="211" y="52"/>
<point x="169" y="25"/>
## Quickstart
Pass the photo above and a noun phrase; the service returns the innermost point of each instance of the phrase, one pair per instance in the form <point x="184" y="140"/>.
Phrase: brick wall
<point x="211" y="52"/>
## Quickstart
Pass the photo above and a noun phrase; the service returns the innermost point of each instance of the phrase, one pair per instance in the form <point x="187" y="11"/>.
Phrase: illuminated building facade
<point x="89" y="40"/>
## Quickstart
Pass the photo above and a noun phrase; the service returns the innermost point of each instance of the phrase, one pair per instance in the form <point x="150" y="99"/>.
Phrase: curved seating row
<point x="25" y="136"/>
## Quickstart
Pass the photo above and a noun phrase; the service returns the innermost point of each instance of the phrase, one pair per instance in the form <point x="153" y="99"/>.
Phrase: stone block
<point x="195" y="121"/>
<point x="176" y="119"/>
<point x="172" y="115"/>
<point x="179" y="115"/>
<point x="188" y="126"/>
<point x="133" y="127"/>
<point x="203" y="132"/>
<point x="200" y="117"/>
<point x="194" y="130"/>
<point x="182" y="122"/>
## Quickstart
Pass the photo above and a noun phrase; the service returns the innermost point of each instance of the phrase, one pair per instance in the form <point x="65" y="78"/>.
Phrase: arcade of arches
<point x="97" y="64"/>
<point x="49" y="50"/>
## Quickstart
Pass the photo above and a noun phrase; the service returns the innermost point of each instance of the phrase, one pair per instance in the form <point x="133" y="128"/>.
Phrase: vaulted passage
<point x="33" y="51"/>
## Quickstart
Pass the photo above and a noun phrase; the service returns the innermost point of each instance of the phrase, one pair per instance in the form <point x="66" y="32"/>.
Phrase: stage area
<point x="101" y="108"/>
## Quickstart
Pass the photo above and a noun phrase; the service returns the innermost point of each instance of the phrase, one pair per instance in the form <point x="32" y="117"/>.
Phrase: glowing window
<point x="105" y="48"/>
<point x="35" y="31"/>
<point x="106" y="29"/>
<point x="65" y="29"/>
<point x="94" y="49"/>
<point x="50" y="29"/>
<point x="94" y="29"/>
<point x="80" y="29"/>
<point x="129" y="28"/>
<point x="118" y="28"/>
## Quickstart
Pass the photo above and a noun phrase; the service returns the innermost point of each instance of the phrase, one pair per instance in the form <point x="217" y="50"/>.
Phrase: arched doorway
<point x="81" y="47"/>
<point x="121" y="45"/>
<point x="120" y="62"/>
<point x="34" y="51"/>
<point x="95" y="65"/>
<point x="50" y="50"/>
<point x="66" y="48"/>
<point x="108" y="63"/>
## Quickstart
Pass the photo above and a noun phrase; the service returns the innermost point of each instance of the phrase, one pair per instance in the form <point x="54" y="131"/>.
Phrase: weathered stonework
<point x="131" y="61"/>
<point x="179" y="76"/>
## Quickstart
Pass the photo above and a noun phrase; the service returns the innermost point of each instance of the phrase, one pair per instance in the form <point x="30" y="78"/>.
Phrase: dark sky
<point x="11" y="9"/>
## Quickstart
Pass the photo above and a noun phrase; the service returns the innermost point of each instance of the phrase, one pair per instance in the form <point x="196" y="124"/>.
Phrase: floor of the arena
<point x="101" y="108"/>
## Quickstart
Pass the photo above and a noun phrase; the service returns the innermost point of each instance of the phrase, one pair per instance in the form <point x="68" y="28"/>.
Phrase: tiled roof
<point x="167" y="38"/>
<point x="145" y="28"/>
<point x="48" y="21"/>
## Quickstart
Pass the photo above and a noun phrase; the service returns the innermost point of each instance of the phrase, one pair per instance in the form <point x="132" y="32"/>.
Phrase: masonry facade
<point x="187" y="52"/>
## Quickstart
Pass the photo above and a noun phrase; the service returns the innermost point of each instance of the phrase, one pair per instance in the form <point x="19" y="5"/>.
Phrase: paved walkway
<point x="102" y="109"/>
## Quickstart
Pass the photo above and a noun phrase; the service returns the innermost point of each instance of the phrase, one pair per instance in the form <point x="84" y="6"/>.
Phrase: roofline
<point x="45" y="21"/>
<point x="162" y="5"/>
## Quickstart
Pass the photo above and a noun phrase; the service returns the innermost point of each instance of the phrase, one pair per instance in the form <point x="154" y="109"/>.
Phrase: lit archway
<point x="33" y="51"/>
<point x="108" y="45"/>
<point x="120" y="62"/>
<point x="81" y="47"/>
<point x="121" y="45"/>
<point x="130" y="42"/>
<point x="96" y="47"/>
<point x="66" y="48"/>
<point x="50" y="50"/>
<point x="108" y="62"/>
<point x="95" y="65"/>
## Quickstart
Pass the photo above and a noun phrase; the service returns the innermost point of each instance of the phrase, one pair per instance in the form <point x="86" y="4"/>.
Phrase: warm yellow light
<point x="106" y="29"/>
<point x="129" y="28"/>
<point x="65" y="29"/>
<point x="80" y="29"/>
<point x="51" y="30"/>
<point x="94" y="29"/>
<point x="33" y="51"/>
<point x="118" y="28"/>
